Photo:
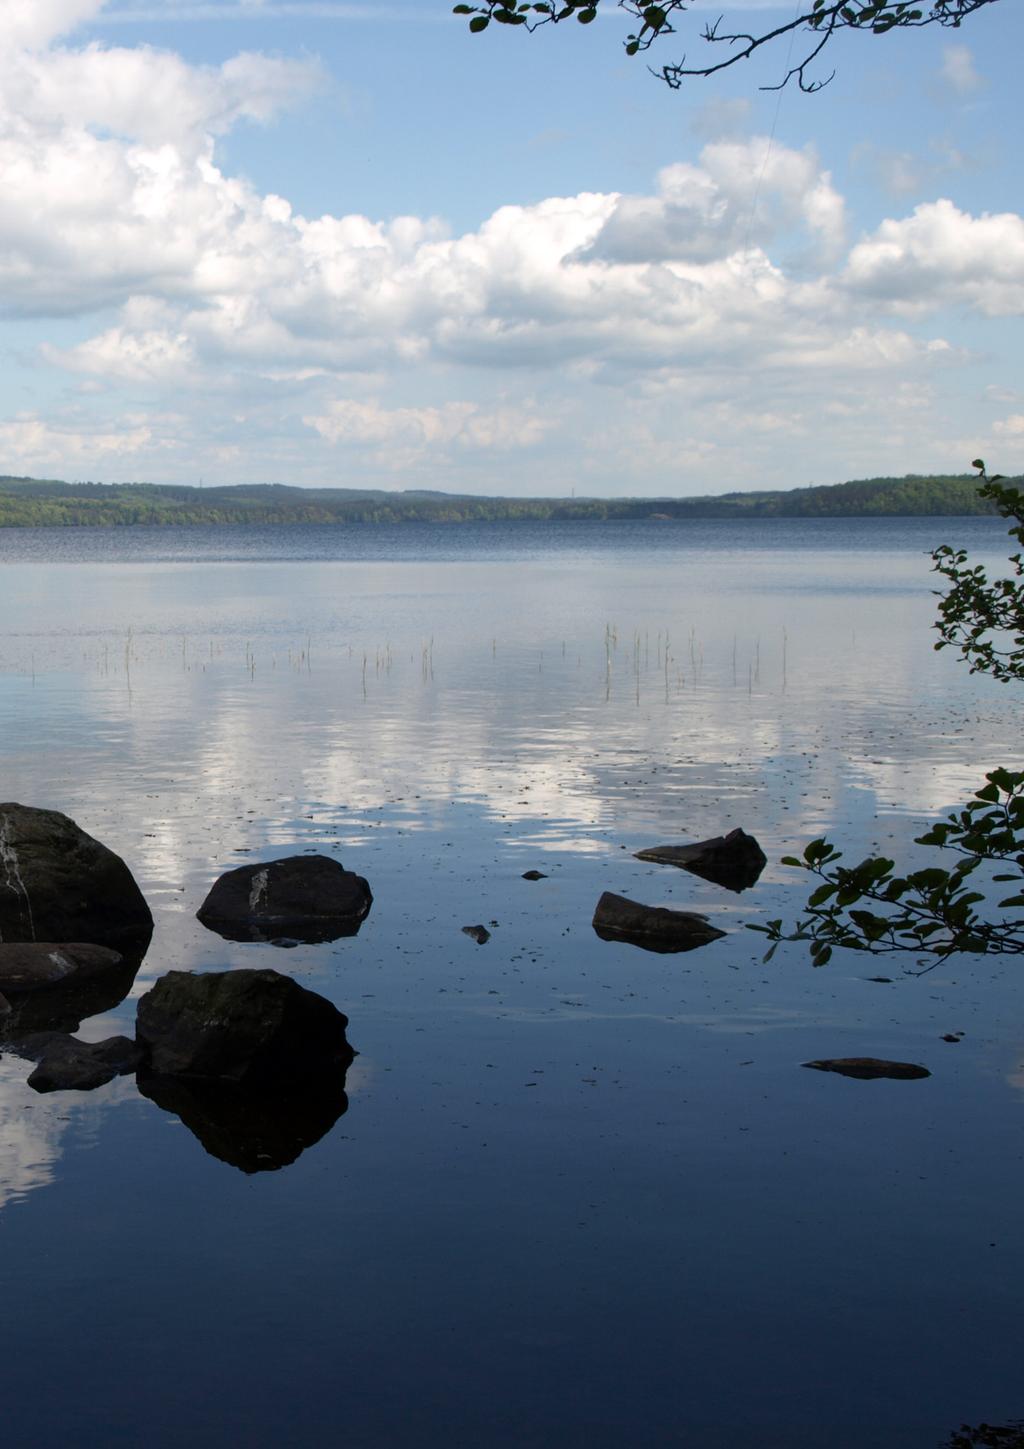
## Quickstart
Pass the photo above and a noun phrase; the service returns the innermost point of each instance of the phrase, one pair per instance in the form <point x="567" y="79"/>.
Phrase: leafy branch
<point x="982" y="617"/>
<point x="931" y="911"/>
<point x="819" y="21"/>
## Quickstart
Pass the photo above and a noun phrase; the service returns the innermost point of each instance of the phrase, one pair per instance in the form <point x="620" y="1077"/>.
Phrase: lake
<point x="582" y="1194"/>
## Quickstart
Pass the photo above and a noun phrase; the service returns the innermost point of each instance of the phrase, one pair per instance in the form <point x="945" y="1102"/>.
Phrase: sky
<point x="351" y="245"/>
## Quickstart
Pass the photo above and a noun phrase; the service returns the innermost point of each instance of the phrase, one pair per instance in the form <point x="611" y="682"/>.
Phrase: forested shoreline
<point x="35" y="503"/>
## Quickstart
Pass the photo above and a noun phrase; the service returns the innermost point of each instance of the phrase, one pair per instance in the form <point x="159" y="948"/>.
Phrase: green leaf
<point x="930" y="879"/>
<point x="586" y="16"/>
<point x="478" y="23"/>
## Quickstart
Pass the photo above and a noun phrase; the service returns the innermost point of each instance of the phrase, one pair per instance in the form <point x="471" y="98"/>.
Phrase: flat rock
<point x="309" y="898"/>
<point x="734" y="861"/>
<point x="32" y="965"/>
<point x="59" y="884"/>
<point x="67" y="1064"/>
<point x="534" y="875"/>
<point x="64" y="1005"/>
<point x="479" y="934"/>
<point x="257" y="1028"/>
<point x="654" y="928"/>
<point x="868" y="1068"/>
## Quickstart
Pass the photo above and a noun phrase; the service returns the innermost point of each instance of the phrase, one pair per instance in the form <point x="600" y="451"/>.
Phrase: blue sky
<point x="352" y="245"/>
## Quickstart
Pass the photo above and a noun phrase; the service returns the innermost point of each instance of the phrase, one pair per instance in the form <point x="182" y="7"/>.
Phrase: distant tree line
<point x="41" y="503"/>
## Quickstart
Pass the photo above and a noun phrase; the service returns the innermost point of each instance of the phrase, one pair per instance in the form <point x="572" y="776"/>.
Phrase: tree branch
<point x="820" y="21"/>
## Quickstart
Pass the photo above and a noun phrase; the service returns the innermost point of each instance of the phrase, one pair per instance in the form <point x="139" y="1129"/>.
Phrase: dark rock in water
<point x="988" y="1436"/>
<point x="59" y="884"/>
<point x="534" y="875"/>
<point x="252" y="1027"/>
<point x="309" y="898"/>
<point x="255" y="1131"/>
<point x="67" y="1064"/>
<point x="868" y="1068"/>
<point x="734" y="861"/>
<point x="479" y="934"/>
<point x="64" y="1005"/>
<point x="32" y="965"/>
<point x="655" y="928"/>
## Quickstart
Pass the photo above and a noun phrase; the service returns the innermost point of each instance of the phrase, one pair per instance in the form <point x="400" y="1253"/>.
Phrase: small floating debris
<point x="534" y="875"/>
<point x="867" y="1069"/>
<point x="953" y="1036"/>
<point x="479" y="934"/>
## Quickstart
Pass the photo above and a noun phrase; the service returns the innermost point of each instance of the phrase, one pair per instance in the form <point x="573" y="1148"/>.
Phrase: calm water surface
<point x="582" y="1195"/>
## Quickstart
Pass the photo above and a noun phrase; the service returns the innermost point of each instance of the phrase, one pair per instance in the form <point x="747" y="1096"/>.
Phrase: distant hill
<point x="36" y="502"/>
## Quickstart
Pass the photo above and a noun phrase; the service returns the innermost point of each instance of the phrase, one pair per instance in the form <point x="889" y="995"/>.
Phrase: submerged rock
<point x="59" y="884"/>
<point x="252" y="1027"/>
<point x="67" y="1064"/>
<point x="655" y="928"/>
<point x="480" y="934"/>
<point x="734" y="861"/>
<point x="255" y="1131"/>
<point x="868" y="1068"/>
<point x="308" y="898"/>
<point x="34" y="965"/>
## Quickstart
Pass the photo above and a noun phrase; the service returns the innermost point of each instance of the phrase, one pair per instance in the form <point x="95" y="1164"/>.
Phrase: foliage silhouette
<point x="817" y="22"/>
<point x="935" y="912"/>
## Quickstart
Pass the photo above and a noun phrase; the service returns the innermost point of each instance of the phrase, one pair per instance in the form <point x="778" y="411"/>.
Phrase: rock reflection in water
<point x="304" y="934"/>
<point x="255" y="1131"/>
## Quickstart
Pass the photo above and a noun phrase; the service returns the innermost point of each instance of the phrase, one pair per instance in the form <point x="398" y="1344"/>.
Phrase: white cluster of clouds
<point x="734" y="277"/>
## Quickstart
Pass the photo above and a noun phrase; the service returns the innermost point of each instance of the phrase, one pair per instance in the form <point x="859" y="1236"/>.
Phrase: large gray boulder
<point x="654" y="928"/>
<point x="734" y="861"/>
<point x="59" y="884"/>
<point x="257" y="1028"/>
<point x="297" y="898"/>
